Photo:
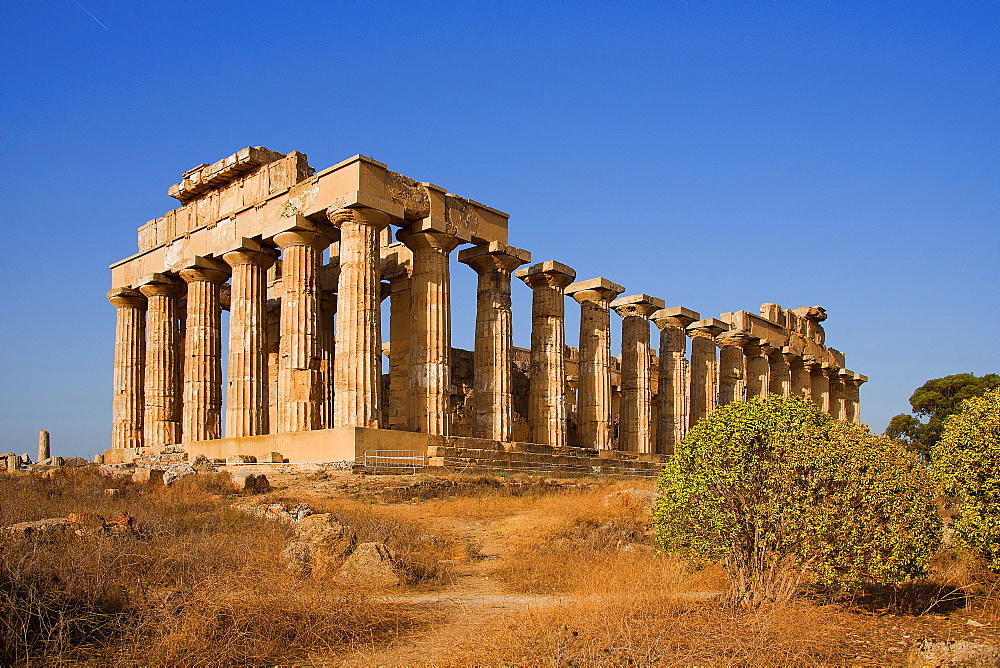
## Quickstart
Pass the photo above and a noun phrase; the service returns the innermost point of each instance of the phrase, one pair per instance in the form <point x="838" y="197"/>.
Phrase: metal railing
<point x="395" y="461"/>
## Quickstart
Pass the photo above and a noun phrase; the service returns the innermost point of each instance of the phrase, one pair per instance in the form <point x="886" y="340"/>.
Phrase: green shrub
<point x="968" y="459"/>
<point x="782" y="494"/>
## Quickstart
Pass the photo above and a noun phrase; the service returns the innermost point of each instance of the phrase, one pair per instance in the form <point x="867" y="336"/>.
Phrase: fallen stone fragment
<point x="122" y="524"/>
<point x="271" y="458"/>
<point x="147" y="476"/>
<point x="75" y="461"/>
<point x="117" y="470"/>
<point x="39" y="527"/>
<point x="250" y="483"/>
<point x="369" y="567"/>
<point x="241" y="459"/>
<point x="177" y="471"/>
<point x="203" y="464"/>
<point x="952" y="653"/>
<point x="114" y="492"/>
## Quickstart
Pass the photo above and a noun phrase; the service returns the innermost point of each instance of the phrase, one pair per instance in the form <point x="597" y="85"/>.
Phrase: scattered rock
<point x="972" y="622"/>
<point x="203" y="464"/>
<point x="271" y="458"/>
<point x="251" y="483"/>
<point x="74" y="461"/>
<point x="147" y="475"/>
<point x="52" y="525"/>
<point x="369" y="567"/>
<point x="296" y="557"/>
<point x="177" y="471"/>
<point x="98" y="458"/>
<point x="52" y="461"/>
<point x="643" y="498"/>
<point x="953" y="653"/>
<point x="114" y="492"/>
<point x="122" y="524"/>
<point x="117" y="470"/>
<point x="241" y="459"/>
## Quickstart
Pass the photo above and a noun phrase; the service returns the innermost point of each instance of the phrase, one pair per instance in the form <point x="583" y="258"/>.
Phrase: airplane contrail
<point x="92" y="16"/>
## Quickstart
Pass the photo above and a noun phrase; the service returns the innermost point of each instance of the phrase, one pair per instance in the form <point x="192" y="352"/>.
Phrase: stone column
<point x="780" y="374"/>
<point x="299" y="389"/>
<point x="44" y="451"/>
<point x="852" y="405"/>
<point x="671" y="410"/>
<point x="357" y="371"/>
<point x="492" y="396"/>
<point x="732" y="372"/>
<point x="399" y="352"/>
<point x="162" y="414"/>
<point x="637" y="394"/>
<point x="758" y="378"/>
<point x="833" y="393"/>
<point x="820" y="384"/>
<point x="703" y="367"/>
<point x="327" y="355"/>
<point x="546" y="398"/>
<point x="130" y="353"/>
<point x="201" y="414"/>
<point x="801" y="382"/>
<point x="594" y="384"/>
<point x="430" y="324"/>
<point x="247" y="392"/>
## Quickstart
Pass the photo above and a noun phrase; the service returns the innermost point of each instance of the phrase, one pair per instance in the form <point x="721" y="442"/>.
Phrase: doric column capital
<point x="415" y="240"/>
<point x="159" y="284"/>
<point x="251" y="252"/>
<point x="126" y="297"/>
<point x="675" y="316"/>
<point x="547" y="274"/>
<point x="311" y="238"/>
<point x="494" y="256"/>
<point x="599" y="291"/>
<point x="856" y="379"/>
<point x="734" y="338"/>
<point x="813" y="364"/>
<point x="792" y="357"/>
<point x="205" y="269"/>
<point x="359" y="215"/>
<point x="707" y="328"/>
<point x="831" y="371"/>
<point x="758" y="348"/>
<point x="636" y="306"/>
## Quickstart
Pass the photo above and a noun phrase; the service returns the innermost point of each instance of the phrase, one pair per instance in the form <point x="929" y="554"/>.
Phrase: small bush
<point x="784" y="494"/>
<point x="968" y="459"/>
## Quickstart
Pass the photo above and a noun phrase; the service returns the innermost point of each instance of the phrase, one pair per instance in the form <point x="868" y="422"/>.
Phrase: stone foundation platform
<point x="386" y="448"/>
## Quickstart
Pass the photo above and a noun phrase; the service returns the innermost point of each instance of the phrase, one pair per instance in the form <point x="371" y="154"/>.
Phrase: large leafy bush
<point x="782" y="493"/>
<point x="968" y="458"/>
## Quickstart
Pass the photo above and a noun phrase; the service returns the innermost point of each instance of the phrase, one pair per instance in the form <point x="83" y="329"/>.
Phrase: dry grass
<point x="202" y="585"/>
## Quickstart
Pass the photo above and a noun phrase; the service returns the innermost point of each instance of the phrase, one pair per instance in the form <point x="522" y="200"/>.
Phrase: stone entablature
<point x="306" y="344"/>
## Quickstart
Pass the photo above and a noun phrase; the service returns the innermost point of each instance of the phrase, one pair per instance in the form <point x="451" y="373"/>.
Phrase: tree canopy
<point x="936" y="400"/>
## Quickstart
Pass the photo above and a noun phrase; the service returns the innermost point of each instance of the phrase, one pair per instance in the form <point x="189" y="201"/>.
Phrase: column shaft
<point x="327" y="355"/>
<point x="201" y="415"/>
<point x="672" y="406"/>
<point x="636" y="404"/>
<point x="758" y="369"/>
<point x="703" y="367"/>
<point x="780" y="375"/>
<point x="130" y="353"/>
<point x="161" y="419"/>
<point x="732" y="372"/>
<point x="399" y="353"/>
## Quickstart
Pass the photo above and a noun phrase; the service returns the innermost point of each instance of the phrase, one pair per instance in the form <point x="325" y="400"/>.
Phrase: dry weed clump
<point x="199" y="585"/>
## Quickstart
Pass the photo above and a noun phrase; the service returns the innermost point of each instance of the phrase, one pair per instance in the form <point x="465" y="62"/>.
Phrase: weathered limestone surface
<point x="44" y="451"/>
<point x="327" y="354"/>
<point x="430" y="324"/>
<point x="852" y="406"/>
<point x="594" y="368"/>
<point x="201" y="416"/>
<point x="546" y="398"/>
<point x="493" y="398"/>
<point x="673" y="376"/>
<point x="247" y="396"/>
<point x="161" y="418"/>
<point x="732" y="370"/>
<point x="820" y="384"/>
<point x="800" y="380"/>
<point x="780" y="374"/>
<point x="358" y="369"/>
<point x="130" y="353"/>
<point x="758" y="367"/>
<point x="703" y="367"/>
<point x="399" y="352"/>
<point x="636" y="383"/>
<point x="299" y="390"/>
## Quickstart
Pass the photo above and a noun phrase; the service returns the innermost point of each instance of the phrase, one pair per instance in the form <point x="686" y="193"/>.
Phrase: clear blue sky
<point x="715" y="154"/>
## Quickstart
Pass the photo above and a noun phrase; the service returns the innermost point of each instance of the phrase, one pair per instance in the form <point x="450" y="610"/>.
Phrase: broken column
<point x="161" y="417"/>
<point x="780" y="382"/>
<point x="852" y="403"/>
<point x="832" y="405"/>
<point x="636" y="418"/>
<point x="594" y="383"/>
<point x="430" y="323"/>
<point x="546" y="391"/>
<point x="247" y="395"/>
<point x="299" y="388"/>
<point x="732" y="372"/>
<point x="671" y="415"/>
<point x="201" y="414"/>
<point x="44" y="451"/>
<point x="703" y="367"/>
<point x="820" y="384"/>
<point x="492" y="362"/>
<point x="758" y="367"/>
<point x="130" y="352"/>
<point x="358" y="368"/>
<point x="800" y="379"/>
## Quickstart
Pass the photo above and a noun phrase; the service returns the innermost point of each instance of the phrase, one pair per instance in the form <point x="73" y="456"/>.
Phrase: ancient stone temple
<point x="304" y="262"/>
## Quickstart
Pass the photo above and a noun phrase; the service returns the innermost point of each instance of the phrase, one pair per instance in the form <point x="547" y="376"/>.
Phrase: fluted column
<point x="299" y="388"/>
<point x="161" y="390"/>
<point x="130" y="353"/>
<point x="201" y="414"/>
<point x="779" y="372"/>
<point x="636" y="421"/>
<point x="492" y="397"/>
<point x="801" y="381"/>
<point x="757" y="365"/>
<point x="358" y="368"/>
<point x="732" y="371"/>
<point x="327" y="355"/>
<point x="546" y="390"/>
<point x="430" y="328"/>
<point x="594" y="384"/>
<point x="399" y="352"/>
<point x="247" y="391"/>
<point x="820" y="385"/>
<point x="671" y="413"/>
<point x="833" y="393"/>
<point x="852" y="404"/>
<point x="703" y="367"/>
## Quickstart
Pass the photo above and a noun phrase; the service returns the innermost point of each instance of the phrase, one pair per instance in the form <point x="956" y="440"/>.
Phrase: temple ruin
<point x="304" y="375"/>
